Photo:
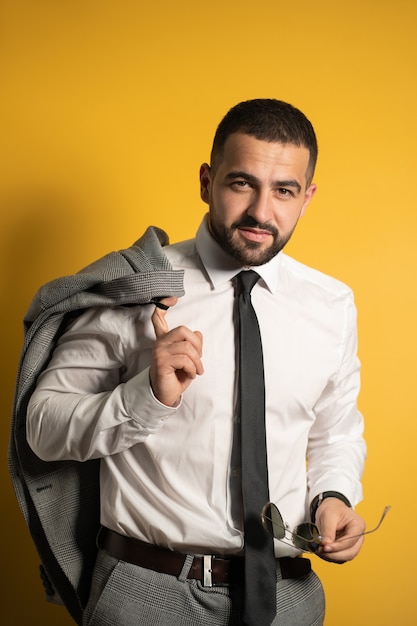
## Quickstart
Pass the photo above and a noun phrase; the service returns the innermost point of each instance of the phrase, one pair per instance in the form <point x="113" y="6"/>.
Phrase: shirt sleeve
<point x="336" y="449"/>
<point x="94" y="399"/>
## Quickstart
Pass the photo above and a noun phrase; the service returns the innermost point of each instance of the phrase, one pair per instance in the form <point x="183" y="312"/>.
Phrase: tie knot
<point x="246" y="281"/>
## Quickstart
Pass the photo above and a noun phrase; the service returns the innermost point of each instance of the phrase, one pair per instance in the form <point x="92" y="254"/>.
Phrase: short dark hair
<point x="268" y="120"/>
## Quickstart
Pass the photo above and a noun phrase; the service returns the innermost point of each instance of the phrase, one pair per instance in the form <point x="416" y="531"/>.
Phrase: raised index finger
<point x="158" y="317"/>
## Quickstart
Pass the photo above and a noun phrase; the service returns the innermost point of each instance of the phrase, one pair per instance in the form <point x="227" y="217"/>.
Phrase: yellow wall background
<point x="108" y="108"/>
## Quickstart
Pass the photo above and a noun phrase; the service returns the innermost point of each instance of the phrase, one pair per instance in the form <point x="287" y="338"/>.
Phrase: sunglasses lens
<point x="307" y="537"/>
<point x="273" y="521"/>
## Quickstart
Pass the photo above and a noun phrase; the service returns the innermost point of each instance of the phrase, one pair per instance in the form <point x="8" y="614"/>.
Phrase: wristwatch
<point x="322" y="496"/>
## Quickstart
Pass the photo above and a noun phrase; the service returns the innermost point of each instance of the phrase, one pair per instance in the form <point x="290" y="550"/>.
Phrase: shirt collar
<point x="221" y="267"/>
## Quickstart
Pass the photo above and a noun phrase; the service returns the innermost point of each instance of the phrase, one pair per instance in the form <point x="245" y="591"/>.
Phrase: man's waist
<point x="209" y="569"/>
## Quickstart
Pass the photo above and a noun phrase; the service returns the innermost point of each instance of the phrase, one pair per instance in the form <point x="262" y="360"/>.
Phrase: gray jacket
<point x="60" y="500"/>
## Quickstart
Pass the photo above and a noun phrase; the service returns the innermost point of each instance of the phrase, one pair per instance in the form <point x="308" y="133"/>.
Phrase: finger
<point x="158" y="317"/>
<point x="332" y="553"/>
<point x="341" y="550"/>
<point x="185" y="366"/>
<point x="200" y="340"/>
<point x="180" y="343"/>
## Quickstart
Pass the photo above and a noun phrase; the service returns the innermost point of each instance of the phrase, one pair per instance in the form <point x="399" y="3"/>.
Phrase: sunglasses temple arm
<point x="384" y="512"/>
<point x="367" y="532"/>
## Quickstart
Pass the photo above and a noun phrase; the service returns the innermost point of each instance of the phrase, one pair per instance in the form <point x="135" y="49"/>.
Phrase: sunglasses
<point x="305" y="536"/>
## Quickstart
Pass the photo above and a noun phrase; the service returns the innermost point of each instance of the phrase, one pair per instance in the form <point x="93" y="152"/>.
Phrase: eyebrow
<point x="250" y="178"/>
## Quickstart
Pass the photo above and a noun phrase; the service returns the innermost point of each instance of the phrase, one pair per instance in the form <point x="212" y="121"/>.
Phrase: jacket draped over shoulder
<point x="60" y="500"/>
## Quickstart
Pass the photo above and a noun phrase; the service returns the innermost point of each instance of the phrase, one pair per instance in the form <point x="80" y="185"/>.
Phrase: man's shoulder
<point x="181" y="253"/>
<point x="296" y="272"/>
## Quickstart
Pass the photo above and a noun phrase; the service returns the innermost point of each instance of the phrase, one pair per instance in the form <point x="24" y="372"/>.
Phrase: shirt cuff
<point x="142" y="405"/>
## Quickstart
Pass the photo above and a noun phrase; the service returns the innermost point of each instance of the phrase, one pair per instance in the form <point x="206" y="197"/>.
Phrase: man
<point x="153" y="394"/>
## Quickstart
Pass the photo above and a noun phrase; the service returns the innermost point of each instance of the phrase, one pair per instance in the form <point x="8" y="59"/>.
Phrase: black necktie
<point x="260" y="575"/>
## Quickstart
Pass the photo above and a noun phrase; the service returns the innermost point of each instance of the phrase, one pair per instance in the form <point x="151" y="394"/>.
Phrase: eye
<point x="284" y="192"/>
<point x="240" y="185"/>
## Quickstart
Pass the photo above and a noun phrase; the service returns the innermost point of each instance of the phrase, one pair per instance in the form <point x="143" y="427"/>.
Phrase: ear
<point x="205" y="182"/>
<point x="308" y="196"/>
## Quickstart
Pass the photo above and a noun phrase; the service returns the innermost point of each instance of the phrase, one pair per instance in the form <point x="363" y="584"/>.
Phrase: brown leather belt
<point x="210" y="570"/>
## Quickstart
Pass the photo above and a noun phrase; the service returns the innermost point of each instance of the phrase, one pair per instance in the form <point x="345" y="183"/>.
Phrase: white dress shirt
<point x="168" y="475"/>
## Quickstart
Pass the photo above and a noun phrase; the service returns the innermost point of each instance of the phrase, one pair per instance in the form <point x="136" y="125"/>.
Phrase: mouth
<point x="256" y="235"/>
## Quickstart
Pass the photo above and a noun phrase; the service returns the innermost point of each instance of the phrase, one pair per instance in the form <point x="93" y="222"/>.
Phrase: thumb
<point x="158" y="317"/>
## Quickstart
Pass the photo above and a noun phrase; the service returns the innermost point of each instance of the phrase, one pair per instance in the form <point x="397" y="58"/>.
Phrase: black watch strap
<point x="322" y="496"/>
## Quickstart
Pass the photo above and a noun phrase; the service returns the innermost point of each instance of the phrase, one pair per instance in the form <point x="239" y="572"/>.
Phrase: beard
<point x="247" y="252"/>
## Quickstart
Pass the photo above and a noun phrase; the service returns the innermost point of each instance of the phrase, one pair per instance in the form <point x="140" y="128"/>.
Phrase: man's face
<point x="256" y="196"/>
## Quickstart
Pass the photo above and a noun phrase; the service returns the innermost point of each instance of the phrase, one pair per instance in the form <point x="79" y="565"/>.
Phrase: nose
<point x="260" y="208"/>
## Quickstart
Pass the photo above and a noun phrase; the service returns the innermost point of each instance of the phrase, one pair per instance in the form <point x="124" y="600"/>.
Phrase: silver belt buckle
<point x="207" y="570"/>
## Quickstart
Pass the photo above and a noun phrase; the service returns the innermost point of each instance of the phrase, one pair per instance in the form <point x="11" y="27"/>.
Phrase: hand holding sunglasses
<point x="305" y="536"/>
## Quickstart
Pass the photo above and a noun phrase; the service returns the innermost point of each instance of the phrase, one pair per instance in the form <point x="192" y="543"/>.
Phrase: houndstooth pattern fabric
<point x="128" y="595"/>
<point x="60" y="501"/>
